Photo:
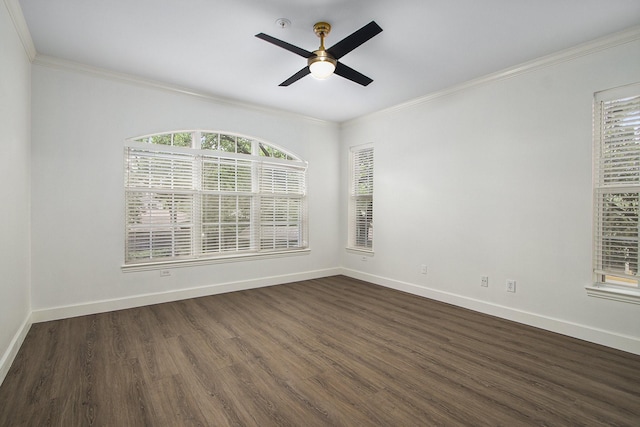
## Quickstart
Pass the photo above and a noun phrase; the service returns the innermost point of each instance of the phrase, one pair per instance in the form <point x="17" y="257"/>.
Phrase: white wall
<point x="80" y="121"/>
<point x="495" y="179"/>
<point x="15" y="96"/>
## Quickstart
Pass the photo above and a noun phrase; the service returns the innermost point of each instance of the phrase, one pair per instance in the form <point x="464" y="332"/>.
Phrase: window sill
<point x="600" y="290"/>
<point x="128" y="268"/>
<point x="358" y="251"/>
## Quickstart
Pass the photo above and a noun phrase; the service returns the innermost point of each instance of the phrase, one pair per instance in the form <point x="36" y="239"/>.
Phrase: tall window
<point x="361" y="199"/>
<point x="199" y="194"/>
<point x="617" y="186"/>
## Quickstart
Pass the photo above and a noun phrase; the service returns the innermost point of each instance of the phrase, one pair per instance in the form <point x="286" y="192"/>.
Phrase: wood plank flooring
<point x="326" y="352"/>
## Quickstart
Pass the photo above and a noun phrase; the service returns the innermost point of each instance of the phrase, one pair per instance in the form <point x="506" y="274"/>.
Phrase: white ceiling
<point x="209" y="45"/>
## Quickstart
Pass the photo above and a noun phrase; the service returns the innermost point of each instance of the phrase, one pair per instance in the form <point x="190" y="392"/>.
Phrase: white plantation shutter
<point x="159" y="205"/>
<point x="361" y="199"/>
<point x="202" y="202"/>
<point x="227" y="203"/>
<point x="617" y="185"/>
<point x="282" y="207"/>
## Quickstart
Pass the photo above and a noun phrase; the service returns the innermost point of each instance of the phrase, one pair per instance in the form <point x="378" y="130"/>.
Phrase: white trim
<point x="297" y="161"/>
<point x="626" y="36"/>
<point x="10" y="354"/>
<point x="15" y="12"/>
<point x="63" y="64"/>
<point x="63" y="312"/>
<point x="204" y="261"/>
<point x="583" y="332"/>
<point x="615" y="93"/>
<point x="359" y="251"/>
<point x="614" y="293"/>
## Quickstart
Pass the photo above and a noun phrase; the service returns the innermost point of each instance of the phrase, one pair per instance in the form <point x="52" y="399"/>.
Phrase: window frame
<point x="266" y="159"/>
<point x="616" y="180"/>
<point x="358" y="196"/>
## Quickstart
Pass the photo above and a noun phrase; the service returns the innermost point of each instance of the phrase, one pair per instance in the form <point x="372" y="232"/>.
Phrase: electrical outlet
<point x="164" y="273"/>
<point x="511" y="285"/>
<point x="484" y="282"/>
<point x="423" y="269"/>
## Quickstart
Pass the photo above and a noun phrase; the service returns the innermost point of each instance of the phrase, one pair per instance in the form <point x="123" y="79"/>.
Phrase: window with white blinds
<point x="198" y="195"/>
<point x="617" y="186"/>
<point x="361" y="199"/>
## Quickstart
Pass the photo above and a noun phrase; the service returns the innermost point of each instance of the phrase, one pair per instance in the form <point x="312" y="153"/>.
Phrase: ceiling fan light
<point x="322" y="65"/>
<point x="322" y="69"/>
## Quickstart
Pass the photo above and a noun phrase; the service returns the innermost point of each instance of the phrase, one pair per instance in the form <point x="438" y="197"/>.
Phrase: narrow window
<point x="361" y="199"/>
<point x="616" y="187"/>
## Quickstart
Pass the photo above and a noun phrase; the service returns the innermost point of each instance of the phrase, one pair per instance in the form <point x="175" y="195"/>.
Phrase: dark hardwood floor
<point x="326" y="352"/>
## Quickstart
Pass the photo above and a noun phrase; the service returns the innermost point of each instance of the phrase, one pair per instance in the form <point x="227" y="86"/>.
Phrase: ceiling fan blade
<point x="297" y="76"/>
<point x="288" y="46"/>
<point x="357" y="38"/>
<point x="351" y="74"/>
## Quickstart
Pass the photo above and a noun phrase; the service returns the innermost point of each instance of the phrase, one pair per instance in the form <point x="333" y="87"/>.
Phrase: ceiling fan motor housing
<point x="322" y="29"/>
<point x="321" y="56"/>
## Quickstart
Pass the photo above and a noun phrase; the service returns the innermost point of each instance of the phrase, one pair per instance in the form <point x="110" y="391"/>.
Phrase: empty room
<point x="190" y="188"/>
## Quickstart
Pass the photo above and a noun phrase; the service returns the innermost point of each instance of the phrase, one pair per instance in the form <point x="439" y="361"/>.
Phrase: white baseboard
<point x="10" y="354"/>
<point x="586" y="333"/>
<point x="55" y="313"/>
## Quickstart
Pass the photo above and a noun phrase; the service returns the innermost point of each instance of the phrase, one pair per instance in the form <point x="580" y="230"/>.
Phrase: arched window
<point x="195" y="195"/>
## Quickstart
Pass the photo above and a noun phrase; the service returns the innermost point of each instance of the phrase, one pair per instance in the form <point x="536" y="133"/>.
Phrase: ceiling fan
<point x="323" y="62"/>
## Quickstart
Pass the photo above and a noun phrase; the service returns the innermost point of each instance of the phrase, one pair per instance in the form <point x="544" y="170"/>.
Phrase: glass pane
<point x="209" y="141"/>
<point x="278" y="154"/>
<point x="280" y="225"/>
<point x="229" y="209"/>
<point x="150" y="243"/>
<point x="157" y="171"/>
<point x="294" y="214"/>
<point x="210" y="239"/>
<point x="161" y="139"/>
<point x="210" y="175"/>
<point x="363" y="172"/>
<point x="182" y="139"/>
<point x="620" y="141"/>
<point x="243" y="213"/>
<point x="228" y="176"/>
<point x="364" y="224"/>
<point x="244" y="145"/>
<point x="265" y="150"/>
<point x="229" y="237"/>
<point x="619" y="232"/>
<point x="243" y="176"/>
<point x="228" y="143"/>
<point x="210" y="209"/>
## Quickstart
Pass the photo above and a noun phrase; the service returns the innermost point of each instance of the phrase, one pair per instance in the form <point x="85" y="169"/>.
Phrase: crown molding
<point x="64" y="64"/>
<point x="616" y="39"/>
<point x="15" y="12"/>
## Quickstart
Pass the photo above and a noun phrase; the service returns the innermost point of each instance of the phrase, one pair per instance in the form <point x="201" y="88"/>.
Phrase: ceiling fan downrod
<point x="322" y="64"/>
